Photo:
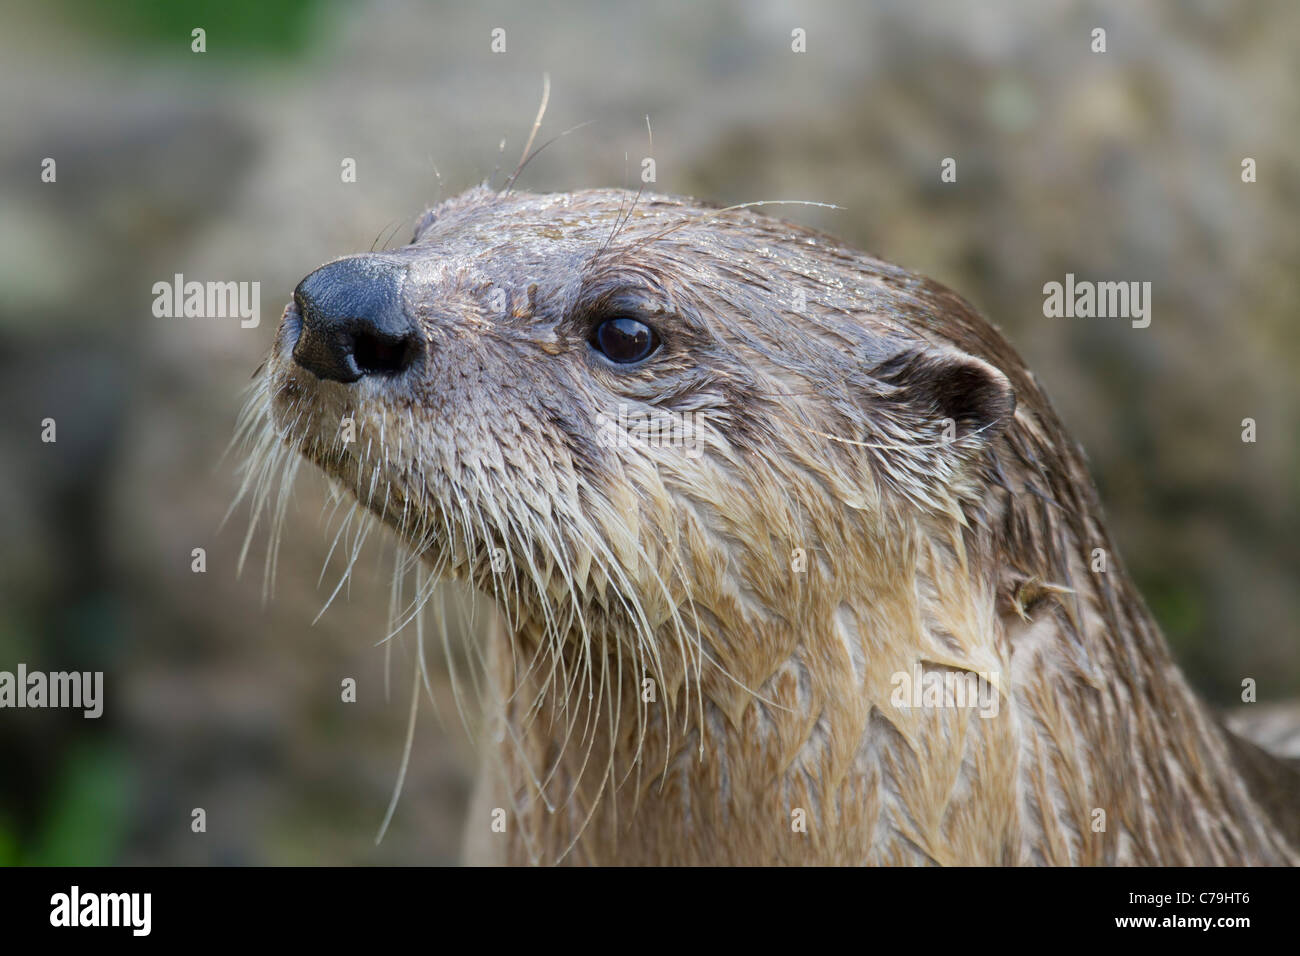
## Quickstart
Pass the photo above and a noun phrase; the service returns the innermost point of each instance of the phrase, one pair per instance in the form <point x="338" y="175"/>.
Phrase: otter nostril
<point x="292" y="322"/>
<point x="354" y="322"/>
<point x="381" y="355"/>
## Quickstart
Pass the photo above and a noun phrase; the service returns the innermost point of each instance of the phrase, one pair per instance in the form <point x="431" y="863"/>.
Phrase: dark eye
<point x="624" y="340"/>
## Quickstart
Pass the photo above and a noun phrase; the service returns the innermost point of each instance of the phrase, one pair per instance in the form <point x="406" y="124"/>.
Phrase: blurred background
<point x="225" y="166"/>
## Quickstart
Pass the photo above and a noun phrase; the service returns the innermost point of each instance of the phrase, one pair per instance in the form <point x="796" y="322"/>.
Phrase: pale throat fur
<point x="712" y="652"/>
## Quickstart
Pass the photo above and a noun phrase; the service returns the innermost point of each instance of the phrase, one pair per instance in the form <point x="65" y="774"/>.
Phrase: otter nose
<point x="353" y="321"/>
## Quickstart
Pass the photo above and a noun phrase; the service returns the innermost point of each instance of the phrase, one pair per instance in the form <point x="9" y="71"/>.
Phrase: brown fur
<point x="882" y="430"/>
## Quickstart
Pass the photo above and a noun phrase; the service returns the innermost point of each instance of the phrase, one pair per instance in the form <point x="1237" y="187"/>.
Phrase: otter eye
<point x="625" y="340"/>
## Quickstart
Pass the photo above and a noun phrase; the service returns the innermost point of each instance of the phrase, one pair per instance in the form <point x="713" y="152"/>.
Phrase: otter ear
<point x="960" y="395"/>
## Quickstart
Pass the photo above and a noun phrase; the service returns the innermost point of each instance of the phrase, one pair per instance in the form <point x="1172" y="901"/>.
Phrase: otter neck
<point x="889" y="722"/>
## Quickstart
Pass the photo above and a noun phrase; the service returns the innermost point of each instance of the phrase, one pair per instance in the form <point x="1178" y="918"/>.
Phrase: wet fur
<point x="825" y="432"/>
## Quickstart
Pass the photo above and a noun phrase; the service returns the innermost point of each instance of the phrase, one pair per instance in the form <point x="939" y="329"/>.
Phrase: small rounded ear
<point x="964" y="395"/>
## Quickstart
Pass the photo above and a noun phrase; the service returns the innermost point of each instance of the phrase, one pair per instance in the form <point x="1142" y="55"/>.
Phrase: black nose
<point x="353" y="322"/>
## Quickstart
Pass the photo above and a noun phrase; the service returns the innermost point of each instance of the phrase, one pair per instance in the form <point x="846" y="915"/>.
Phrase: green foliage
<point x="258" y="27"/>
<point x="87" y="818"/>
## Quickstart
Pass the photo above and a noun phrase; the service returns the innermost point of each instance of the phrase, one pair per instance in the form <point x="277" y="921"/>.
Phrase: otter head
<point x="635" y="417"/>
<point x="772" y="474"/>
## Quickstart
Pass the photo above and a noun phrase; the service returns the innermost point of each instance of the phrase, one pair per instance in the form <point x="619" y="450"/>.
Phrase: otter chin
<point x="795" y="563"/>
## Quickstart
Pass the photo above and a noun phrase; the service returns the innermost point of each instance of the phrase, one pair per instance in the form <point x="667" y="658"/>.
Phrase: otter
<point x="742" y="638"/>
